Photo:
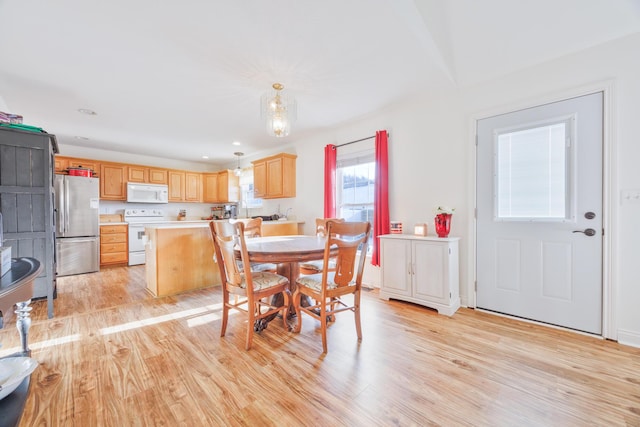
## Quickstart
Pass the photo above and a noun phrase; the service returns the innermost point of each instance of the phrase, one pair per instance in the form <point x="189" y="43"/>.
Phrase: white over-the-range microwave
<point x="147" y="193"/>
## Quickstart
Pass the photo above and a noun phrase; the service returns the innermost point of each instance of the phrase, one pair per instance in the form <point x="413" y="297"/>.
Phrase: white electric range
<point x="138" y="219"/>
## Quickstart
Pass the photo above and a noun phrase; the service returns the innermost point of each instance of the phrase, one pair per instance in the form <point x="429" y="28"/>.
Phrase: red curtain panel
<point x="380" y="195"/>
<point x="330" y="153"/>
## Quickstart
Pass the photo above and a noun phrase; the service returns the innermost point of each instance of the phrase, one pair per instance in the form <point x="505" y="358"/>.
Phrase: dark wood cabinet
<point x="27" y="202"/>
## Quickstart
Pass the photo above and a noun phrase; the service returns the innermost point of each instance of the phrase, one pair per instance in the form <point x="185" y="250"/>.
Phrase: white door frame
<point x="609" y="190"/>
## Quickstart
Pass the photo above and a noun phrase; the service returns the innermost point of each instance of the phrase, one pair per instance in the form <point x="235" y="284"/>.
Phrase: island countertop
<point x="269" y="228"/>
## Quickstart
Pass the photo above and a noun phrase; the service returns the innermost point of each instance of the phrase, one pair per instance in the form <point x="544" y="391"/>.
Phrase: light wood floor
<point x="114" y="356"/>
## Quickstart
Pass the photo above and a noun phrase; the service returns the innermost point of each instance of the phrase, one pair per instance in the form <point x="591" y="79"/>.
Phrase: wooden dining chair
<point x="314" y="267"/>
<point x="254" y="288"/>
<point x="326" y="288"/>
<point x="253" y="228"/>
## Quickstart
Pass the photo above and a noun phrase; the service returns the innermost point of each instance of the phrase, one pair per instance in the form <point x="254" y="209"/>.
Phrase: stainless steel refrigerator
<point x="77" y="224"/>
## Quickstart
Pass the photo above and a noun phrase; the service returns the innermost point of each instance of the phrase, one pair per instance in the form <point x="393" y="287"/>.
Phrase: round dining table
<point x="286" y="252"/>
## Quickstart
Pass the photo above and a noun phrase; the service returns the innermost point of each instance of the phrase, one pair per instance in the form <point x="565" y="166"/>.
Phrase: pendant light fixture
<point x="278" y="110"/>
<point x="238" y="171"/>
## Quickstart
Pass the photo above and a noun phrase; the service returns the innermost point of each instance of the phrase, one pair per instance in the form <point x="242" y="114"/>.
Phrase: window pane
<point x="531" y="179"/>
<point x="355" y="191"/>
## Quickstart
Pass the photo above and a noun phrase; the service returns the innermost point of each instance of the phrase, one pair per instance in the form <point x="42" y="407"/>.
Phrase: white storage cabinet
<point x="422" y="270"/>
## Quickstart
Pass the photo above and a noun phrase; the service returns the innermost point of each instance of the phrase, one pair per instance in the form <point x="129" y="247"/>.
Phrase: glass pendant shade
<point x="238" y="171"/>
<point x="278" y="111"/>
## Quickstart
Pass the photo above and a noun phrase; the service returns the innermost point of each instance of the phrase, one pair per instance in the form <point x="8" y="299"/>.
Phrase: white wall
<point x="431" y="150"/>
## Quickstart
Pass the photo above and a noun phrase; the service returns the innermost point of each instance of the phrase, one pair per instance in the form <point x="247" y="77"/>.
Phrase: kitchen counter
<point x="179" y="258"/>
<point x="280" y="227"/>
<point x="113" y="223"/>
<point x="269" y="228"/>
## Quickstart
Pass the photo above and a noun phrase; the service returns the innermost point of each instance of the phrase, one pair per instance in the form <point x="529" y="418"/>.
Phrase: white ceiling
<point x="183" y="79"/>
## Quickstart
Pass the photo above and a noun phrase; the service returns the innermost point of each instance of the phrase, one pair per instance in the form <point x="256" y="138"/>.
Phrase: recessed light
<point x="82" y="138"/>
<point x="87" y="111"/>
<point x="205" y="157"/>
<point x="236" y="143"/>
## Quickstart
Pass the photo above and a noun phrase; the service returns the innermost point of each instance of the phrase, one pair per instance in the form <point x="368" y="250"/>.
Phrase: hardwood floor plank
<point x="114" y="355"/>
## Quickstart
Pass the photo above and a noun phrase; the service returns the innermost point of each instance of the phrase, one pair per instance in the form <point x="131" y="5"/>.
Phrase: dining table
<point x="287" y="252"/>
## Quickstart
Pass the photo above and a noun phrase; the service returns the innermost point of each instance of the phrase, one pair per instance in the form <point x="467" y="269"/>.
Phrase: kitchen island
<point x="179" y="258"/>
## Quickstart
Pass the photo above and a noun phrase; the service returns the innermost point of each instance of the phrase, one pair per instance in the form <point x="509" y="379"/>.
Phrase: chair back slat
<point x="321" y="225"/>
<point x="226" y="236"/>
<point x="253" y="227"/>
<point x="349" y="238"/>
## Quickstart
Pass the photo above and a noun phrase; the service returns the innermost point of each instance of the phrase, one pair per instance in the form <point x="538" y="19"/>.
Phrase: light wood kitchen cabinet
<point x="220" y="187"/>
<point x="113" y="181"/>
<point x="275" y="177"/>
<point x="114" y="245"/>
<point x="228" y="187"/>
<point x="62" y="164"/>
<point x="147" y="175"/>
<point x="192" y="187"/>
<point x="184" y="186"/>
<point x="176" y="186"/>
<point x="422" y="270"/>
<point x="158" y="176"/>
<point x="210" y="187"/>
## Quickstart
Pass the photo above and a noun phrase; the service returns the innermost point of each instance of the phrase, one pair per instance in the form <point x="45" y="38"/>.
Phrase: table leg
<point x="23" y="323"/>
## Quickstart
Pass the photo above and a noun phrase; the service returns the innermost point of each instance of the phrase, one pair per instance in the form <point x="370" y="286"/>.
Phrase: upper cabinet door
<point x="192" y="187"/>
<point x="275" y="177"/>
<point x="210" y="188"/>
<point x="158" y="176"/>
<point x="113" y="181"/>
<point x="176" y="186"/>
<point x="259" y="179"/>
<point x="138" y="174"/>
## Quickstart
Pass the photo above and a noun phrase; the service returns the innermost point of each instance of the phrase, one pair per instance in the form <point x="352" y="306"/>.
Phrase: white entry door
<point x="539" y="213"/>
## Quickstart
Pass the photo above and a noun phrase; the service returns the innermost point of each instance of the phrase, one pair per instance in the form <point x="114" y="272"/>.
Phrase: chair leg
<point x="250" y="324"/>
<point x="323" y="324"/>
<point x="297" y="297"/>
<point x="285" y="295"/>
<point x="356" y="313"/>
<point x="225" y="312"/>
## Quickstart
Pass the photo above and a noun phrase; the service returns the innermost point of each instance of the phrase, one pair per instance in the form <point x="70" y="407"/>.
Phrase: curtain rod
<point x="358" y="140"/>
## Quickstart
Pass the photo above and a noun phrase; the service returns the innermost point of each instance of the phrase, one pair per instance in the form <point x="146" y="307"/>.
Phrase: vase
<point x="443" y="224"/>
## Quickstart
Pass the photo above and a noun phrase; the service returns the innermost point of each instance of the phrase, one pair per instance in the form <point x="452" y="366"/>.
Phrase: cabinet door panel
<point x="113" y="182"/>
<point x="430" y="261"/>
<point x="176" y="186"/>
<point x="396" y="260"/>
<point x="210" y="187"/>
<point x="192" y="187"/>
<point x="137" y="174"/>
<point x="61" y="164"/>
<point x="157" y="176"/>
<point x="274" y="177"/>
<point x="259" y="179"/>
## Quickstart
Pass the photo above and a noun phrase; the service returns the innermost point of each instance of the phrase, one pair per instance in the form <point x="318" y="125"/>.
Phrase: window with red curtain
<point x="330" y="153"/>
<point x="352" y="178"/>
<point x="381" y="194"/>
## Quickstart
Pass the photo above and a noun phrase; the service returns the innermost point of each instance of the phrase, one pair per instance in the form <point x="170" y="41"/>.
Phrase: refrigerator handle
<point x="60" y="209"/>
<point x="66" y="205"/>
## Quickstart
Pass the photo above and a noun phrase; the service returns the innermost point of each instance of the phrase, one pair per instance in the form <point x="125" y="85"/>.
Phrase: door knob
<point x="589" y="232"/>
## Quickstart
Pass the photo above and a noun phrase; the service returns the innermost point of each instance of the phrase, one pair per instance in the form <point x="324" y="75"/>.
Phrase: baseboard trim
<point x="629" y="338"/>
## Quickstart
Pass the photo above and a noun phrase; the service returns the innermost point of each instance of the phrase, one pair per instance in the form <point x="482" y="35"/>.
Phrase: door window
<point x="532" y="177"/>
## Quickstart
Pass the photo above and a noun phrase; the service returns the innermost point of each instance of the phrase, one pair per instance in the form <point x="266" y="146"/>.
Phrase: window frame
<point x="570" y="161"/>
